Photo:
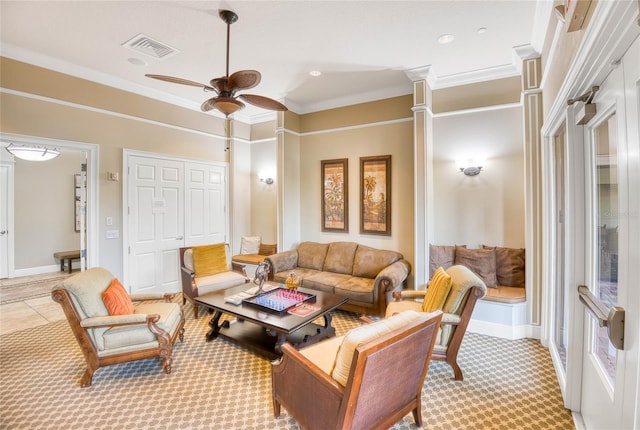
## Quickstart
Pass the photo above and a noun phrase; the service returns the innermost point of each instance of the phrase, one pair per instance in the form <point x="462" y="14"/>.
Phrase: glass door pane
<point x="560" y="334"/>
<point x="606" y="258"/>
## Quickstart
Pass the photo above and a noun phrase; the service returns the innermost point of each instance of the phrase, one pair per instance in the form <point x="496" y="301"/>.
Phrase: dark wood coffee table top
<point x="265" y="331"/>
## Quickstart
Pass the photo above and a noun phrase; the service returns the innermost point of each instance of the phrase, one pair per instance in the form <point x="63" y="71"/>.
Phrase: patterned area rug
<point x="22" y="289"/>
<point x="218" y="385"/>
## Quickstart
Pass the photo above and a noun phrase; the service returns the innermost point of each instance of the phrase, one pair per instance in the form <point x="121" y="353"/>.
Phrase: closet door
<point x="205" y="204"/>
<point x="155" y="224"/>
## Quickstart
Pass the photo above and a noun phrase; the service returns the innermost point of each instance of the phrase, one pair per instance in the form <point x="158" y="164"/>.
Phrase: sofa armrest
<point x="287" y="260"/>
<point x="393" y="276"/>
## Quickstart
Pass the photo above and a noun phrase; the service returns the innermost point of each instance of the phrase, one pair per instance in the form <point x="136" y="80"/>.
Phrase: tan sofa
<point x="360" y="273"/>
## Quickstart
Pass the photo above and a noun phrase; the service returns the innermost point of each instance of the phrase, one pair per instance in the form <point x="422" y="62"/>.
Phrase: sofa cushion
<point x="299" y="271"/>
<point x="480" y="261"/>
<point x="324" y="281"/>
<point x="368" y="262"/>
<point x="363" y="334"/>
<point x="117" y="300"/>
<point x="510" y="263"/>
<point x="210" y="259"/>
<point x="250" y="244"/>
<point x="339" y="257"/>
<point x="506" y="295"/>
<point x="117" y="338"/>
<point x="437" y="292"/>
<point x="357" y="289"/>
<point x="248" y="258"/>
<point x="323" y="354"/>
<point x="219" y="281"/>
<point x="187" y="260"/>
<point x="441" y="256"/>
<point x="311" y="255"/>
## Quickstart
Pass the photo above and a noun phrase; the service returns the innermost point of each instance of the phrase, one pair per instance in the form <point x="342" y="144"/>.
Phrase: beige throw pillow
<point x="250" y="244"/>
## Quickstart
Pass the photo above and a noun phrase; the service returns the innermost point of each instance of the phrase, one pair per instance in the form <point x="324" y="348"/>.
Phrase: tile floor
<point x="29" y="313"/>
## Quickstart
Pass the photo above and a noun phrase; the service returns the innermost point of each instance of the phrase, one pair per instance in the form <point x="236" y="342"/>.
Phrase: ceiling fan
<point x="225" y="87"/>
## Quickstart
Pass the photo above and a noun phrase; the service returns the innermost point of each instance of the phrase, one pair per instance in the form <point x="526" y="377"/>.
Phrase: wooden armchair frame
<point x="80" y="328"/>
<point x="450" y="355"/>
<point x="377" y="394"/>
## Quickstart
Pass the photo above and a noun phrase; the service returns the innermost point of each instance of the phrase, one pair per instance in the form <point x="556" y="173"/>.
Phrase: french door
<point x="612" y="248"/>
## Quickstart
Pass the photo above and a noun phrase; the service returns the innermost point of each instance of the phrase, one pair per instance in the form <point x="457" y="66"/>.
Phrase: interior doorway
<point x="86" y="154"/>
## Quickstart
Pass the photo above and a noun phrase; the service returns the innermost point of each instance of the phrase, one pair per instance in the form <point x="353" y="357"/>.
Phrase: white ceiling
<point x="363" y="48"/>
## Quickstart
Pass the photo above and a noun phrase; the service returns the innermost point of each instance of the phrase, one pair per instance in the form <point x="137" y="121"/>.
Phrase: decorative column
<point x="532" y="121"/>
<point x="423" y="173"/>
<point x="288" y="191"/>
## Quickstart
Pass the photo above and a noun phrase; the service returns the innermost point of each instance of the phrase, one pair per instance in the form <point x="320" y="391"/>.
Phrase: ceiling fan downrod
<point x="229" y="17"/>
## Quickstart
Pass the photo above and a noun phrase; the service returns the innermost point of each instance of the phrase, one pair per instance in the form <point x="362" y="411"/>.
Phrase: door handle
<point x="611" y="318"/>
<point x="179" y="237"/>
<point x="3" y="232"/>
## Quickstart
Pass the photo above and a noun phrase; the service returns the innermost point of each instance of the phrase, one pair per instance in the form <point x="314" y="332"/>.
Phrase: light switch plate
<point x="109" y="220"/>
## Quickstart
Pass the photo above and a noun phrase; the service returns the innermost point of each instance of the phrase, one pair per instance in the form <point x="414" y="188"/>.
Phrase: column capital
<point x="418" y="73"/>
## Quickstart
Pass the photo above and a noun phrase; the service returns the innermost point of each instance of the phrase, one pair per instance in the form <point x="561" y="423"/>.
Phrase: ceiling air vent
<point x="151" y="47"/>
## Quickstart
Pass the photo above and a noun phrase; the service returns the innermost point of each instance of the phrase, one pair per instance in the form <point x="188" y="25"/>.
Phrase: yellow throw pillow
<point x="437" y="292"/>
<point x="210" y="259"/>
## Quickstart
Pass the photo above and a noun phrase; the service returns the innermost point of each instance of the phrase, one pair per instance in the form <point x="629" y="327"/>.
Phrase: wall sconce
<point x="31" y="152"/>
<point x="470" y="168"/>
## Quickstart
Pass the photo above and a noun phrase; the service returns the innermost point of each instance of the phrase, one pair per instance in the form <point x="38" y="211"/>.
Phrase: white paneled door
<point x="155" y="223"/>
<point x="206" y="215"/>
<point x="4" y="221"/>
<point x="170" y="203"/>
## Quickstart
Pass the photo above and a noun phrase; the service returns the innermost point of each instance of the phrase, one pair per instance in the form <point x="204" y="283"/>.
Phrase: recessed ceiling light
<point x="137" y="61"/>
<point x="482" y="30"/>
<point x="446" y="38"/>
<point x="315" y="73"/>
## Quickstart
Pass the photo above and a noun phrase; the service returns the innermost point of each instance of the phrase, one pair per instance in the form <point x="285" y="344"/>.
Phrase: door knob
<point x="3" y="232"/>
<point x="179" y="237"/>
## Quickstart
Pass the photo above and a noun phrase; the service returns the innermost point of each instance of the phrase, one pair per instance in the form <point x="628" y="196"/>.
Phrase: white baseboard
<point x="36" y="270"/>
<point x="504" y="331"/>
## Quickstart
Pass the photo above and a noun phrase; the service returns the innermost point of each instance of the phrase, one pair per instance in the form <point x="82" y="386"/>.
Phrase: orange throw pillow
<point x="117" y="300"/>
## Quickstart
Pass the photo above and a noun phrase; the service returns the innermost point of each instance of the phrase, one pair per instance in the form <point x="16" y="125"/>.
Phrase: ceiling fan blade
<point x="244" y="79"/>
<point x="263" y="102"/>
<point x="175" y="80"/>
<point x="226" y="105"/>
<point x="220" y="84"/>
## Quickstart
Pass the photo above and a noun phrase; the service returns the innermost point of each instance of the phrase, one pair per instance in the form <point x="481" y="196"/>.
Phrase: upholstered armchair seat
<point x="150" y="331"/>
<point x="466" y="289"/>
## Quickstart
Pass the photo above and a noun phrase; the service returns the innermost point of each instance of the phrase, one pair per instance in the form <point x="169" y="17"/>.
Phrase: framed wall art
<point x="375" y="195"/>
<point x="335" y="195"/>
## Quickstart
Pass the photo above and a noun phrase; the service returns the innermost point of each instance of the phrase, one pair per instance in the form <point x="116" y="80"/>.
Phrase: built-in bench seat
<point x="503" y="310"/>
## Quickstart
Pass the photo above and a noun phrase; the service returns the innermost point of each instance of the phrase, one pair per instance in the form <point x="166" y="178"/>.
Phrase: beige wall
<point x="263" y="195"/>
<point x="189" y="134"/>
<point x="44" y="199"/>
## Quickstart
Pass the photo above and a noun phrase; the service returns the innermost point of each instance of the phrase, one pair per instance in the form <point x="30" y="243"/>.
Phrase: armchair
<point x="195" y="284"/>
<point x="466" y="289"/>
<point x="347" y="382"/>
<point x="106" y="339"/>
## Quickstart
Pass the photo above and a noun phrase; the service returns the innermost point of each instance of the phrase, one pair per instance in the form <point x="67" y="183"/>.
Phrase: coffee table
<point x="265" y="331"/>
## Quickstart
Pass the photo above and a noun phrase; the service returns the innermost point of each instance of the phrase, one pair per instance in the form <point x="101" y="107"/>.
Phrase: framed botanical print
<point x="375" y="195"/>
<point x="335" y="195"/>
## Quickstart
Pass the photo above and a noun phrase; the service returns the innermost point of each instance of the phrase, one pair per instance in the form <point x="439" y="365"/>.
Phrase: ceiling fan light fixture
<point x="228" y="105"/>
